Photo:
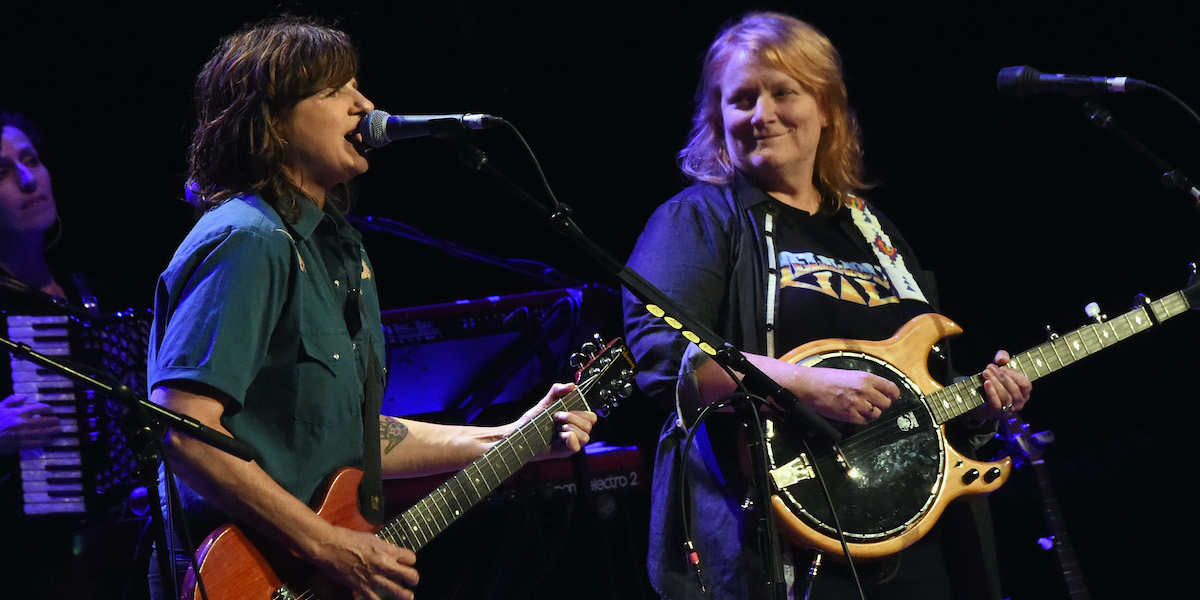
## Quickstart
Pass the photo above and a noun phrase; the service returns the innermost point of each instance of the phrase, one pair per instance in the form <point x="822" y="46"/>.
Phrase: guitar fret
<point x="496" y="479"/>
<point x="412" y="532"/>
<point x="1090" y="340"/>
<point x="438" y="510"/>
<point x="429" y="517"/>
<point x="574" y="401"/>
<point x="465" y="474"/>
<point x="1160" y="310"/>
<point x="1168" y="306"/>
<point x="1112" y="336"/>
<point x="415" y="522"/>
<point x="962" y="396"/>
<point x="454" y="482"/>
<point x="1077" y="343"/>
<point x="1058" y="359"/>
<point x="1051" y="361"/>
<point x="425" y="521"/>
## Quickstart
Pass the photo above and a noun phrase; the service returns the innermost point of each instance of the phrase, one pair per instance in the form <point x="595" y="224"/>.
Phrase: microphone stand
<point x="1172" y="178"/>
<point x="544" y="273"/>
<point x="152" y="420"/>
<point x="658" y="304"/>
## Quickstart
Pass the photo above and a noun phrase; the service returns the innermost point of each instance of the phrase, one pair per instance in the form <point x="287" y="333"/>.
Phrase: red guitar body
<point x="237" y="565"/>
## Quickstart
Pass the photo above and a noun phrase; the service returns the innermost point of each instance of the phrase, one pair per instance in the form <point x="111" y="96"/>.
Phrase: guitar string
<point x="948" y="403"/>
<point x="392" y="531"/>
<point x="515" y="445"/>
<point x="511" y="447"/>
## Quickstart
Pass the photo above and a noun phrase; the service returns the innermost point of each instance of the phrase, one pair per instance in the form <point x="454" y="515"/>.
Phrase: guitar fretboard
<point x="956" y="399"/>
<point x="433" y="514"/>
<point x="417" y="526"/>
<point x="1072" y="574"/>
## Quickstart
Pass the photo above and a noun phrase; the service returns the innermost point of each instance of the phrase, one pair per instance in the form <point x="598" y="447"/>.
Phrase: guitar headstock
<point x="1021" y="443"/>
<point x="605" y="373"/>
<point x="1192" y="292"/>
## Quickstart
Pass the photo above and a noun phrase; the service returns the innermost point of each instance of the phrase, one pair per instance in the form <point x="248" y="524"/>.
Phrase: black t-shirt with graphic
<point x="831" y="284"/>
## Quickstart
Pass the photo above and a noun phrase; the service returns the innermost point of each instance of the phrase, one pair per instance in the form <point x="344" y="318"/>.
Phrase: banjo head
<point x="883" y="477"/>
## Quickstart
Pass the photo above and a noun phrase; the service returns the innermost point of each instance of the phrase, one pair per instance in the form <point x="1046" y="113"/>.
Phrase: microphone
<point x="379" y="128"/>
<point x="1025" y="81"/>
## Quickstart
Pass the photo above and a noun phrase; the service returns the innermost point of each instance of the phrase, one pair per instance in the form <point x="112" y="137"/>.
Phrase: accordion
<point x="89" y="469"/>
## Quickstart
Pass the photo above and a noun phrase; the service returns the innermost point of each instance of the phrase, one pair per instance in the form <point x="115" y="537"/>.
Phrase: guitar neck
<point x="1072" y="574"/>
<point x="956" y="399"/>
<point x="427" y="518"/>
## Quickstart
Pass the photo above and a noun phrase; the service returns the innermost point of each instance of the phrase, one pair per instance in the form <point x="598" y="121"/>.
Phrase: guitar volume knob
<point x="970" y="476"/>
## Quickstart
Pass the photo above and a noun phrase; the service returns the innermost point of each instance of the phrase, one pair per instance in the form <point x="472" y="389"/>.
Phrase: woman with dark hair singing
<point x="267" y="323"/>
<point x="772" y="248"/>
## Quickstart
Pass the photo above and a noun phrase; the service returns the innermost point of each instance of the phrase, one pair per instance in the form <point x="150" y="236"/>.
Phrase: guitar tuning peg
<point x="1092" y="310"/>
<point x="1050" y="333"/>
<point x="577" y="360"/>
<point x="625" y="391"/>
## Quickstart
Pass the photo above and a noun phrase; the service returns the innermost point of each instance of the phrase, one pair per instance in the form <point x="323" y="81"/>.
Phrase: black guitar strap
<point x="370" y="491"/>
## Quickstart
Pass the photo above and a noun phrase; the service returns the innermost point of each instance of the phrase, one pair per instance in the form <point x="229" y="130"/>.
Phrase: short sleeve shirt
<point x="278" y="318"/>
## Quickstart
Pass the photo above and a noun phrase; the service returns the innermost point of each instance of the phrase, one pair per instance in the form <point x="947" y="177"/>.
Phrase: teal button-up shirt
<point x="256" y="309"/>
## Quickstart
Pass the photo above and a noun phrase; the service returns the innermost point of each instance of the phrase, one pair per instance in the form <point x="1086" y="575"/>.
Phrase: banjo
<point x="892" y="479"/>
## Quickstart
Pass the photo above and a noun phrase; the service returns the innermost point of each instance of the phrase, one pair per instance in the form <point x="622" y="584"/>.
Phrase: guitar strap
<point x="889" y="257"/>
<point x="370" y="491"/>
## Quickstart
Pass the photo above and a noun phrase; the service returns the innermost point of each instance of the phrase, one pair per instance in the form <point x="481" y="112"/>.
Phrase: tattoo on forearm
<point x="391" y="432"/>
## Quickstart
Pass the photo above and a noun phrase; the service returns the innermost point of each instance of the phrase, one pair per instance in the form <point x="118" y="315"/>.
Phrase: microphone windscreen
<point x="1017" y="81"/>
<point x="374" y="129"/>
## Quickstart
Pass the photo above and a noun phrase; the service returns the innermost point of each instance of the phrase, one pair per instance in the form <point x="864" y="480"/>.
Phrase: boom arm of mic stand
<point x="1172" y="178"/>
<point x="158" y="414"/>
<point x="662" y="307"/>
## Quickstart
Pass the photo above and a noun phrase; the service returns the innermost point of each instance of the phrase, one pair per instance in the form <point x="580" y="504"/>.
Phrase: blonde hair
<point x="803" y="53"/>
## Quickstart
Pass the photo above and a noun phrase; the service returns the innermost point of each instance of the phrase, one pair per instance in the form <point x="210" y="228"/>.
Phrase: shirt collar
<point x="310" y="218"/>
<point x="748" y="194"/>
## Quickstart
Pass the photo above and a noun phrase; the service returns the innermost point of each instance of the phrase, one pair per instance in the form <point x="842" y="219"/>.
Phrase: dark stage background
<point x="1025" y="209"/>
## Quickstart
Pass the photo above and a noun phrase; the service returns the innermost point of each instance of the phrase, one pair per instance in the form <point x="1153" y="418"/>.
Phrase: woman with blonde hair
<point x="771" y="248"/>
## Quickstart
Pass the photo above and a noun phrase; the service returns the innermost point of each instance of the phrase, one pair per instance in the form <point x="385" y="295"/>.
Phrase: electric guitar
<point x="1027" y="449"/>
<point x="239" y="564"/>
<point x="890" y="480"/>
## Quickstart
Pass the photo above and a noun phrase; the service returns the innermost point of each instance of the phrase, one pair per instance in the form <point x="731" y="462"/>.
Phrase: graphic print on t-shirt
<point x="857" y="282"/>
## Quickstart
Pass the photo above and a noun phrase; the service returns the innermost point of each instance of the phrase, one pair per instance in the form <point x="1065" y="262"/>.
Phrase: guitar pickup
<point x="799" y="469"/>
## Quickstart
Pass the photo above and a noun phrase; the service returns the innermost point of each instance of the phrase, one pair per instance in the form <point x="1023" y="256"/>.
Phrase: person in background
<point x="39" y="557"/>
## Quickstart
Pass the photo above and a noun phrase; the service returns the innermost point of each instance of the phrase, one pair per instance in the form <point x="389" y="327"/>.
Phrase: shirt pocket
<point x="328" y="389"/>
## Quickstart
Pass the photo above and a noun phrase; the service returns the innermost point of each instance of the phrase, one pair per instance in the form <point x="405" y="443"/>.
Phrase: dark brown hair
<point x="253" y="80"/>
